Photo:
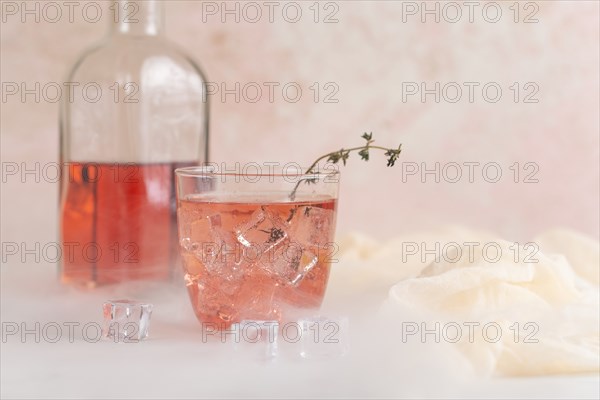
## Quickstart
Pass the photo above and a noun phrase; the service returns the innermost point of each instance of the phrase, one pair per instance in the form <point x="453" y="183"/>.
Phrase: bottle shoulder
<point x="134" y="56"/>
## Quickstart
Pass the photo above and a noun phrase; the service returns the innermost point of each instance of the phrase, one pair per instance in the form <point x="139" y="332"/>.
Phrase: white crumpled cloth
<point x="557" y="296"/>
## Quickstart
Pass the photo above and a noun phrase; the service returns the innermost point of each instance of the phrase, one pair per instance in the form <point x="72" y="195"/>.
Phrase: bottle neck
<point x="137" y="17"/>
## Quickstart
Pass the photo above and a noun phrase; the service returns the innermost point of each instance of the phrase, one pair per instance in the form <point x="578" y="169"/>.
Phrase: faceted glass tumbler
<point x="255" y="246"/>
<point x="126" y="320"/>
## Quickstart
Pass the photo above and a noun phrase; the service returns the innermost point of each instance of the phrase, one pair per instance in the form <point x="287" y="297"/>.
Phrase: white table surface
<point x="176" y="363"/>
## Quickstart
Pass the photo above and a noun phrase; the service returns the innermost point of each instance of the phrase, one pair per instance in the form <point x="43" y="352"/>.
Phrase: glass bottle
<point x="136" y="110"/>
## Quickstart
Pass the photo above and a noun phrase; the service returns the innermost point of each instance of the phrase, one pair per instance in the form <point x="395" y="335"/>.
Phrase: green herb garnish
<point x="343" y="154"/>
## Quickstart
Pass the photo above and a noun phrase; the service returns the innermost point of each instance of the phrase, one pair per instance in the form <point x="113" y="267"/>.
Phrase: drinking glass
<point x="255" y="245"/>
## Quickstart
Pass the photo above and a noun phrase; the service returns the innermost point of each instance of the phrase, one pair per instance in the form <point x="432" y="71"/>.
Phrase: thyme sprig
<point x="343" y="154"/>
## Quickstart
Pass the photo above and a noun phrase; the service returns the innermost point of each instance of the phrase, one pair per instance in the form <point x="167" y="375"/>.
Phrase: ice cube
<point x="256" y="338"/>
<point x="197" y="232"/>
<point x="212" y="299"/>
<point x="191" y="223"/>
<point x="126" y="320"/>
<point x="217" y="249"/>
<point x="264" y="230"/>
<point x="323" y="337"/>
<point x="256" y="298"/>
<point x="289" y="263"/>
<point x="311" y="226"/>
<point x="202" y="229"/>
<point x="223" y="301"/>
<point x="225" y="256"/>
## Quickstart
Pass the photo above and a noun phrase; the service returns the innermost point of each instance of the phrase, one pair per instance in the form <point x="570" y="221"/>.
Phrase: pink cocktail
<point x="251" y="250"/>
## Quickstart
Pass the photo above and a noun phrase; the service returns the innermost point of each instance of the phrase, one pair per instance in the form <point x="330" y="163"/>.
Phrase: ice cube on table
<point x="323" y="337"/>
<point x="256" y="338"/>
<point x="311" y="226"/>
<point x="126" y="320"/>
<point x="290" y="263"/>
<point x="264" y="230"/>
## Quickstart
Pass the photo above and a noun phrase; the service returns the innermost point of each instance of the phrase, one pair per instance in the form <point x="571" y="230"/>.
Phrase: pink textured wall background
<point x="368" y="54"/>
